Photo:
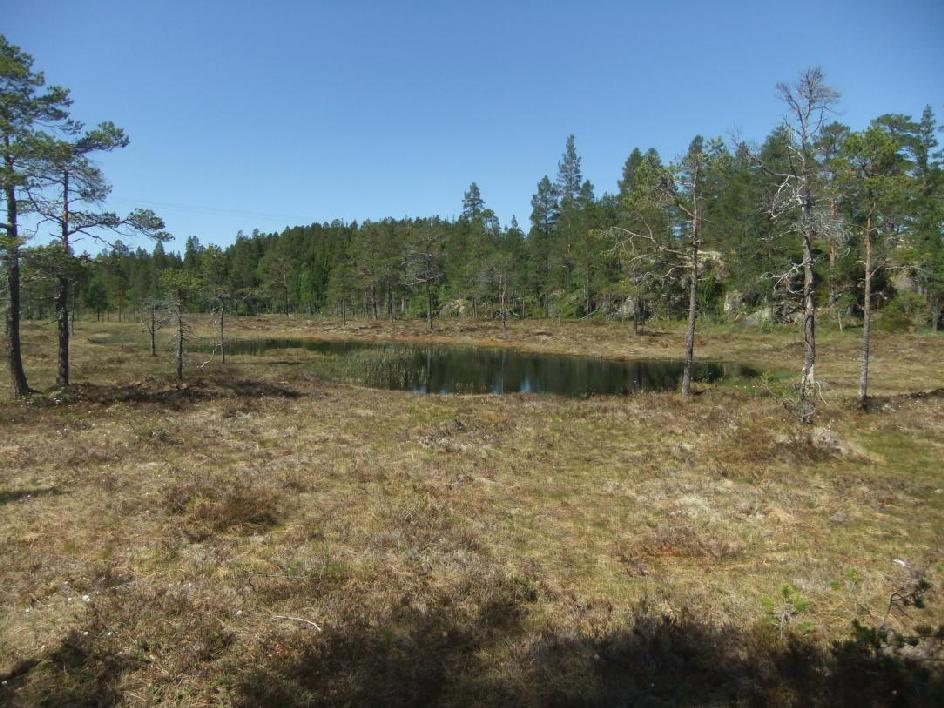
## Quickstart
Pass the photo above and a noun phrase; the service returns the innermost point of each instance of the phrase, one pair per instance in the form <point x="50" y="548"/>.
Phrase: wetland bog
<point x="460" y="549"/>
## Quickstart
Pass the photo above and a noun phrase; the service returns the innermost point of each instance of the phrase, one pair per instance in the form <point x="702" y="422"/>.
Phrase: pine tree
<point x="472" y="204"/>
<point x="180" y="286"/>
<point x="64" y="189"/>
<point x="877" y="195"/>
<point x="23" y="109"/>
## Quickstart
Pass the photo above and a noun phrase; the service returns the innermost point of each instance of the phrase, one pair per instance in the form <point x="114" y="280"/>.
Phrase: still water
<point x="466" y="369"/>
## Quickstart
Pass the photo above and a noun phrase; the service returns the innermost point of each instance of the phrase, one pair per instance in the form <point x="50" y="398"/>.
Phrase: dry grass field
<point x="268" y="536"/>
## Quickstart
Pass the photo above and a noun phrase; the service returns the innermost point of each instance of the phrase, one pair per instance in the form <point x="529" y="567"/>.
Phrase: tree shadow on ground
<point x="429" y="658"/>
<point x="877" y="403"/>
<point x="256" y="388"/>
<point x="167" y="395"/>
<point x="651" y="333"/>
<point x="75" y="673"/>
<point x="8" y="496"/>
<point x="461" y="648"/>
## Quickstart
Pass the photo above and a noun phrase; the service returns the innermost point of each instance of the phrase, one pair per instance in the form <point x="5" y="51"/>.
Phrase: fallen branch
<point x="297" y="619"/>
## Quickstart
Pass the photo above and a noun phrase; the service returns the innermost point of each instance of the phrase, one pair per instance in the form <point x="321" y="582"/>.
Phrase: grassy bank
<point x="266" y="535"/>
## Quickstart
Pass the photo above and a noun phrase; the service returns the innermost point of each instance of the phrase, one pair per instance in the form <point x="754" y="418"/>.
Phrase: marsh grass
<point x="465" y="549"/>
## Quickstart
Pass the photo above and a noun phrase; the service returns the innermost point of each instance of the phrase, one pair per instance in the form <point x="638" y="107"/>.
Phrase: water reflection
<point x="464" y="369"/>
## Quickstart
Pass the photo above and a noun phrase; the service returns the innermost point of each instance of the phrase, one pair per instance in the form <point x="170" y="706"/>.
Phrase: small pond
<point x="447" y="369"/>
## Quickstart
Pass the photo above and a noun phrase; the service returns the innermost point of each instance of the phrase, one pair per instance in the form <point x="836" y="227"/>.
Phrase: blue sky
<point x="247" y="115"/>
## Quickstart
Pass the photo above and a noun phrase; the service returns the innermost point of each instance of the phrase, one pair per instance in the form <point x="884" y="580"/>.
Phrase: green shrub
<point x="905" y="312"/>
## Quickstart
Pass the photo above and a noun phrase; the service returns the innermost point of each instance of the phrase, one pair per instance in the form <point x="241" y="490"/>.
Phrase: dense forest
<point x="817" y="215"/>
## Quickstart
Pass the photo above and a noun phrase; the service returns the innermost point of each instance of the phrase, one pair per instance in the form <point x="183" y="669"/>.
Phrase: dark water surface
<point x="467" y="369"/>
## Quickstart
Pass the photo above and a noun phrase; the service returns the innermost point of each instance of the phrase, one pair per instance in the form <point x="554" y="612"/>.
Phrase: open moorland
<point x="268" y="534"/>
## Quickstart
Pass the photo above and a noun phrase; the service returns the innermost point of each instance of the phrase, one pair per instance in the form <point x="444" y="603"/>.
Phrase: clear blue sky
<point x="250" y="115"/>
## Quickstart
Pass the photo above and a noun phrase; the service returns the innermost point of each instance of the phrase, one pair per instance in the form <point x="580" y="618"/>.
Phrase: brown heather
<point x="165" y="546"/>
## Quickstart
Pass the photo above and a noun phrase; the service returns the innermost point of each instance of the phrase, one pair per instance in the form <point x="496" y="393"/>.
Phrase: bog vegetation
<point x="255" y="530"/>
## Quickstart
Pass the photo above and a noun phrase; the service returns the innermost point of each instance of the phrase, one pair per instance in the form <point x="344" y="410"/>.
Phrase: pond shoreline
<point x="451" y="368"/>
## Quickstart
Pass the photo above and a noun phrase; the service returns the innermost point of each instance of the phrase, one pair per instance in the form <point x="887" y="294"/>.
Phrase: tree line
<point x="816" y="217"/>
<point x="572" y="261"/>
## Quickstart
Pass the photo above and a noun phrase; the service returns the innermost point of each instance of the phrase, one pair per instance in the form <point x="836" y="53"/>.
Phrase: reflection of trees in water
<point x="455" y="370"/>
<point x="444" y="369"/>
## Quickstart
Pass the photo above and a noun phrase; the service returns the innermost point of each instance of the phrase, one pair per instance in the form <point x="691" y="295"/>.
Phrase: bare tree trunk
<point x="179" y="354"/>
<point x="833" y="289"/>
<point x="692" y="312"/>
<point x="429" y="309"/>
<point x="222" y="339"/>
<point x="504" y="310"/>
<point x="866" y="316"/>
<point x="152" y="330"/>
<point x="14" y="348"/>
<point x="808" y="381"/>
<point x="808" y="101"/>
<point x="833" y="257"/>
<point x="61" y="299"/>
<point x="62" y="328"/>
<point x="586" y="294"/>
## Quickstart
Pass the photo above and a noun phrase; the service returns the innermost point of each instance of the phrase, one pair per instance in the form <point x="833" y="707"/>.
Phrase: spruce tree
<point x="569" y="176"/>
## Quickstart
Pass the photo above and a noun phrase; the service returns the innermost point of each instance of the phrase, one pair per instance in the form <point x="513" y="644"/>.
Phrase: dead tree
<point x="218" y="289"/>
<point x="222" y="301"/>
<point x="502" y="296"/>
<point x="180" y="286"/>
<point x="155" y="315"/>
<point x="181" y="331"/>
<point x="422" y="266"/>
<point x="493" y="278"/>
<point x="808" y="101"/>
